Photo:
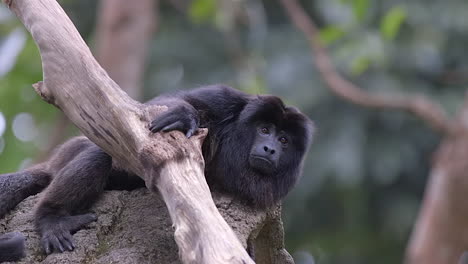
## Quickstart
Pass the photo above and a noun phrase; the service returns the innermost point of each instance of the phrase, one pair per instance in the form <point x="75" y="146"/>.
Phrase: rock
<point x="135" y="227"/>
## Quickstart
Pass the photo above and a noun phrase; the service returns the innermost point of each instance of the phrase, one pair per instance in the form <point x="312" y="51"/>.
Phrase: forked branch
<point x="170" y="163"/>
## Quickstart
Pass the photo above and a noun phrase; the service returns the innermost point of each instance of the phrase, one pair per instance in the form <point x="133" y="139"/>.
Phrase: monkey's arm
<point x="205" y="107"/>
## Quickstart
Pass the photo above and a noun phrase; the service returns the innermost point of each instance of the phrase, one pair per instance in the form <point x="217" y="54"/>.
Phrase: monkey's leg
<point x="74" y="188"/>
<point x="15" y="187"/>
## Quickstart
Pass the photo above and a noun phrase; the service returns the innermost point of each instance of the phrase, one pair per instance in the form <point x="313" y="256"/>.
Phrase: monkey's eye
<point x="283" y="140"/>
<point x="265" y="130"/>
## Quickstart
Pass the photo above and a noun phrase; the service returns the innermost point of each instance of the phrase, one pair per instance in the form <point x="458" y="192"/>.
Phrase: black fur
<point x="11" y="246"/>
<point x="230" y="168"/>
<point x="243" y="156"/>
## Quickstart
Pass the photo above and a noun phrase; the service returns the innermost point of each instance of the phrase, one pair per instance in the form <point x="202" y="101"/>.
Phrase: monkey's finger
<point x="65" y="241"/>
<point x="192" y="128"/>
<point x="190" y="132"/>
<point x="56" y="244"/>
<point x="178" y="125"/>
<point x="46" y="245"/>
<point x="72" y="243"/>
<point x="161" y="122"/>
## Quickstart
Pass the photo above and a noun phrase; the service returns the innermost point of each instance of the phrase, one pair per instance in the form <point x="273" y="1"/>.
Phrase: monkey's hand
<point x="183" y="118"/>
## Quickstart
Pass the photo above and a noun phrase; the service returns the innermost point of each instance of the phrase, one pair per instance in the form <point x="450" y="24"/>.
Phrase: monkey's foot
<point x="57" y="232"/>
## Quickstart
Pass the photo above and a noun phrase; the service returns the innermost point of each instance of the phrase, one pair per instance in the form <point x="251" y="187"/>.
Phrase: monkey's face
<point x="259" y="156"/>
<point x="268" y="146"/>
<point x="278" y="136"/>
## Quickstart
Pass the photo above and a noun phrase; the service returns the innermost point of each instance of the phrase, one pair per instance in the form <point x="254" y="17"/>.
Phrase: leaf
<point x="202" y="10"/>
<point x="360" y="65"/>
<point x="360" y="8"/>
<point x="330" y="34"/>
<point x="392" y="21"/>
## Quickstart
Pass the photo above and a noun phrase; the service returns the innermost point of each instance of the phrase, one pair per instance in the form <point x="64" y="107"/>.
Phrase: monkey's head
<point x="259" y="157"/>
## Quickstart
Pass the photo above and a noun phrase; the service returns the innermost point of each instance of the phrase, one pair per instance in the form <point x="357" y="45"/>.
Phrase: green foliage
<point x="365" y="166"/>
<point x="330" y="34"/>
<point x="360" y="8"/>
<point x="360" y="64"/>
<point x="17" y="96"/>
<point x="392" y="21"/>
<point x="202" y="10"/>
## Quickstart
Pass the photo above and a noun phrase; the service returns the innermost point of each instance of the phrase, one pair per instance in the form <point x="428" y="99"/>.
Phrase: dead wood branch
<point x="170" y="163"/>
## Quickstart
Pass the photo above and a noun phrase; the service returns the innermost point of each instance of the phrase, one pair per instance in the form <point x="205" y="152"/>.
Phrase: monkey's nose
<point x="269" y="150"/>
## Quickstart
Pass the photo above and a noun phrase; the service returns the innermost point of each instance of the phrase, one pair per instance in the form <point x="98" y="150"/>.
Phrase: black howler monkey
<point x="254" y="150"/>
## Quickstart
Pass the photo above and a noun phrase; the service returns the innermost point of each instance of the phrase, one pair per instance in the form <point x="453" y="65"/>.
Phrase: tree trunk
<point x="440" y="234"/>
<point x="123" y="35"/>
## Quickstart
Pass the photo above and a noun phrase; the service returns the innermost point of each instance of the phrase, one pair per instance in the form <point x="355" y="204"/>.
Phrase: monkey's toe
<point x="77" y="222"/>
<point x="58" y="236"/>
<point x="57" y="240"/>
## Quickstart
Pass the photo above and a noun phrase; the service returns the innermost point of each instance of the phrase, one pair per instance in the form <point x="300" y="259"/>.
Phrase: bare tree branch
<point x="420" y="106"/>
<point x="169" y="163"/>
<point x="438" y="235"/>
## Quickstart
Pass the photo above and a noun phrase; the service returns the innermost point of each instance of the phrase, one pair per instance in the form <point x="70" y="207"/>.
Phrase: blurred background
<point x="366" y="172"/>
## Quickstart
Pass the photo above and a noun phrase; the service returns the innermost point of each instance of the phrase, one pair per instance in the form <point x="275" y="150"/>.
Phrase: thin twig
<point x="420" y="106"/>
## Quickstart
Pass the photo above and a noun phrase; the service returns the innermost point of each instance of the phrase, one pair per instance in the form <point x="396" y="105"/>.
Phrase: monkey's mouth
<point x="261" y="164"/>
